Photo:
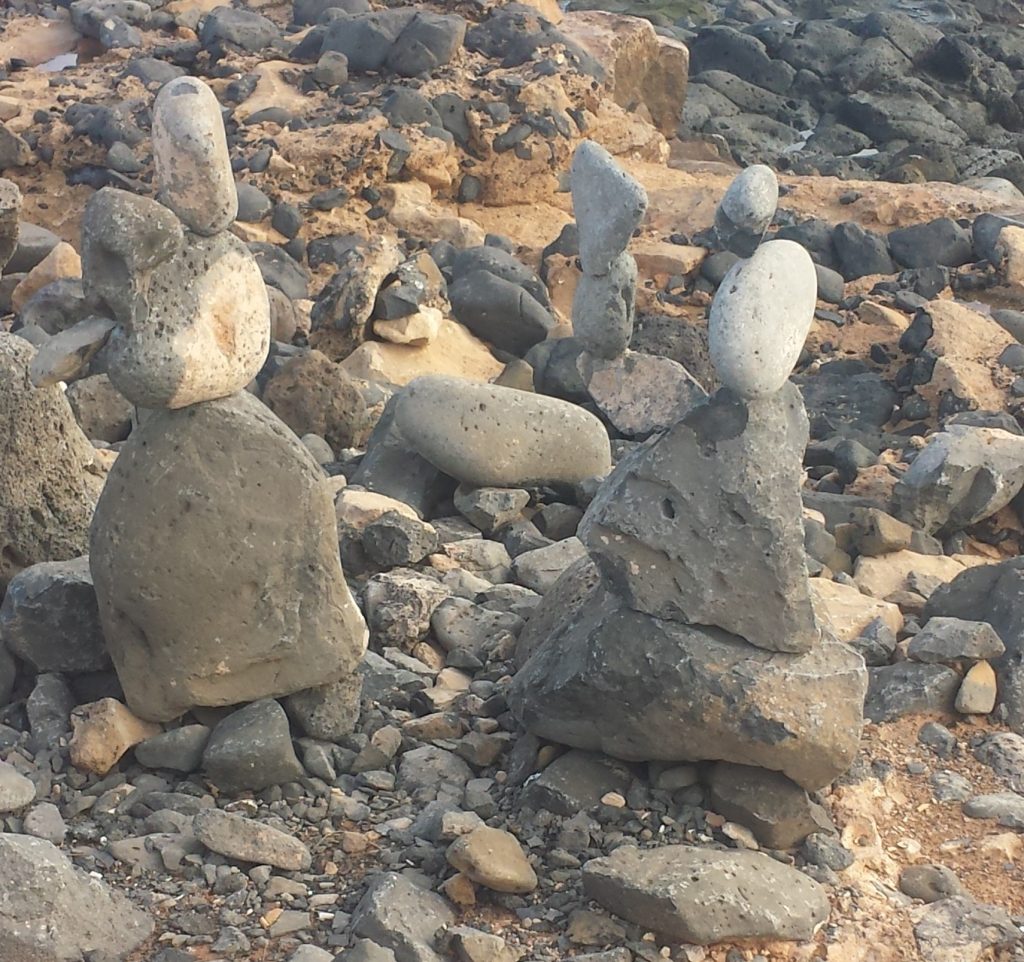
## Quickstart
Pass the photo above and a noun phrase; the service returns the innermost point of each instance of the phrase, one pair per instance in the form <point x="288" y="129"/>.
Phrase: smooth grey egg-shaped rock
<point x="752" y="198"/>
<point x="486" y="435"/>
<point x="609" y="205"/>
<point x="760" y="318"/>
<point x="747" y="209"/>
<point x="190" y="153"/>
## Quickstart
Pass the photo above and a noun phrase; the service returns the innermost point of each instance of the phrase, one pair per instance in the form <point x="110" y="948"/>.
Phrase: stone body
<point x="603" y="308"/>
<point x="216" y="563"/>
<point x="204" y="332"/>
<point x="760" y="317"/>
<point x="640" y="688"/>
<point x="47" y="490"/>
<point x="483" y="435"/>
<point x="190" y="153"/>
<point x="684" y="525"/>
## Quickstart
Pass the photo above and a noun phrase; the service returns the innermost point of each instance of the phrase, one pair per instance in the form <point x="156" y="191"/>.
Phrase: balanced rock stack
<point x="697" y="639"/>
<point x="638" y="393"/>
<point x="213" y="546"/>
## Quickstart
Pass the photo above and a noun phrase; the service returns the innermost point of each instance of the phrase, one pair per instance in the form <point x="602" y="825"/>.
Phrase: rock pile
<point x="698" y="539"/>
<point x="193" y="609"/>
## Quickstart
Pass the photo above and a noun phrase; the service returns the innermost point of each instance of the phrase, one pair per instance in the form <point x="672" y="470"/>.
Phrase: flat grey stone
<point x="695" y="895"/>
<point x="247" y="840"/>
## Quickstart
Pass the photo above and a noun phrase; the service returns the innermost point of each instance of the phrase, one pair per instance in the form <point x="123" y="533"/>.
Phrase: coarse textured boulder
<point x="204" y="331"/>
<point x="47" y="491"/>
<point x="216" y="564"/>
<point x="689" y="894"/>
<point x="703" y="524"/>
<point x="51" y="911"/>
<point x="640" y="688"/>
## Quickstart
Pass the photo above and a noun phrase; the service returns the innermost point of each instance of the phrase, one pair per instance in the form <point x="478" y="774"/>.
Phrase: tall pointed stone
<point x="703" y="525"/>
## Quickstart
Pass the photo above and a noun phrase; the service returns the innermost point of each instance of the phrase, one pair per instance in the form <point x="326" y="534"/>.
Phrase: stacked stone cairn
<point x="213" y="546"/>
<point x="636" y="392"/>
<point x="689" y="634"/>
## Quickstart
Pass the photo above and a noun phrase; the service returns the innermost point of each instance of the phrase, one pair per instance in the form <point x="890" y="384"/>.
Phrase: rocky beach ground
<point x="491" y="482"/>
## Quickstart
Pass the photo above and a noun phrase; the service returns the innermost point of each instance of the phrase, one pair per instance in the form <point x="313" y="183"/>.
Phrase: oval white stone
<point x="760" y="318"/>
<point x="190" y="153"/>
<point x="752" y="197"/>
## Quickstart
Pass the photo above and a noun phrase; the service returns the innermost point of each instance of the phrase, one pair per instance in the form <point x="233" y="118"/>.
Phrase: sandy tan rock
<point x="848" y="612"/>
<point x="62" y="261"/>
<point x="660" y="259"/>
<point x="967" y="344"/>
<point x="355" y="509"/>
<point x="1011" y="239"/>
<point x="416" y="330"/>
<point x="492" y="858"/>
<point x="977" y="694"/>
<point x="103" y="731"/>
<point x="641" y="65"/>
<point x="885" y="575"/>
<point x="411" y="208"/>
<point x="454" y="352"/>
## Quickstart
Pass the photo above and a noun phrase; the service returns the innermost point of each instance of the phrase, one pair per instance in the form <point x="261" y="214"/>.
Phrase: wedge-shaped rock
<point x="964" y="475"/>
<point x="639" y="688"/>
<point x="694" y="895"/>
<point x="215" y="560"/>
<point x="703" y="525"/>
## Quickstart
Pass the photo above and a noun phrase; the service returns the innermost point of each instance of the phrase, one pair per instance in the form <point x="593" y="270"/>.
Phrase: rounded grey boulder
<point x="486" y="435"/>
<point x="215" y="559"/>
<point x="747" y="208"/>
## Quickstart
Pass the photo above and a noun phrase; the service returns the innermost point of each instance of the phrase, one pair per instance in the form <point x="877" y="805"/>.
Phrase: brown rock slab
<point x="492" y="858"/>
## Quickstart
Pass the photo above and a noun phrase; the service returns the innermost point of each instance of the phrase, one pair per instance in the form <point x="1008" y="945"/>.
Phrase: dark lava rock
<point x="860" y="252"/>
<point x="942" y="241"/>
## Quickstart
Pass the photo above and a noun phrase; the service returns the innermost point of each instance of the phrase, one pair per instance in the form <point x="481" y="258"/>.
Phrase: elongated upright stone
<point x="190" y="152"/>
<point x="760" y="317"/>
<point x="609" y="205"/>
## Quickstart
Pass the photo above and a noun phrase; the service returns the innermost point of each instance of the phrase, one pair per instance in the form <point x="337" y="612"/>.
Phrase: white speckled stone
<point x="190" y="152"/>
<point x="752" y="197"/>
<point x="206" y="330"/>
<point x="760" y="318"/>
